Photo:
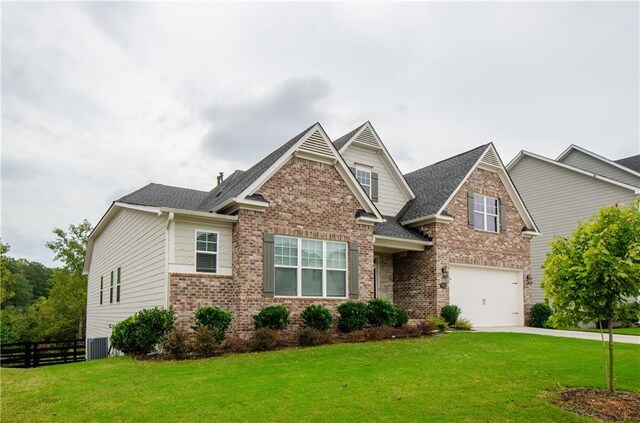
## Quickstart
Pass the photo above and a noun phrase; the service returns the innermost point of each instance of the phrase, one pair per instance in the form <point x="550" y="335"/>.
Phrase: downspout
<point x="167" y="251"/>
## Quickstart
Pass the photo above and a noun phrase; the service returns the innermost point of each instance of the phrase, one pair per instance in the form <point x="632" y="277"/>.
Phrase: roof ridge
<point x="448" y="158"/>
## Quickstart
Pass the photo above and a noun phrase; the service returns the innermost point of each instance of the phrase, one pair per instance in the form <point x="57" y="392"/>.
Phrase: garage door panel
<point x="487" y="296"/>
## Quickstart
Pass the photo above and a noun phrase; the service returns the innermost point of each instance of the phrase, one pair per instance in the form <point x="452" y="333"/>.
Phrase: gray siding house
<point x="562" y="192"/>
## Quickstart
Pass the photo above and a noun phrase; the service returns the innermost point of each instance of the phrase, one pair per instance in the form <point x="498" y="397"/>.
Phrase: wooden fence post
<point x="75" y="350"/>
<point x="27" y="351"/>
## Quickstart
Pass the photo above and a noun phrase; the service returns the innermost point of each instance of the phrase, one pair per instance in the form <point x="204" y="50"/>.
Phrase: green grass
<point x="457" y="377"/>
<point x="619" y="331"/>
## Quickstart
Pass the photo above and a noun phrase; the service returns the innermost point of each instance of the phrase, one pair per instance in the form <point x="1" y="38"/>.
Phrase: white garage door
<point x="487" y="296"/>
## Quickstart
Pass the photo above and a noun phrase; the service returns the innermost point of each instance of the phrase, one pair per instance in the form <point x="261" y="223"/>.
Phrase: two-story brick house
<point x="319" y="222"/>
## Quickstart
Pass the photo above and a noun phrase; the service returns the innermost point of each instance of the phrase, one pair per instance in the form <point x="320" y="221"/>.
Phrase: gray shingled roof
<point x="393" y="228"/>
<point x="157" y="195"/>
<point x="632" y="162"/>
<point x="242" y="182"/>
<point x="434" y="184"/>
<point x="340" y="142"/>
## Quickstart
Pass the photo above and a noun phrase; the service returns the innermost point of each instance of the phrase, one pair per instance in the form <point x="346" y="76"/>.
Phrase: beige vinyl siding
<point x="557" y="199"/>
<point x="584" y="161"/>
<point x="134" y="241"/>
<point x="182" y="258"/>
<point x="390" y="197"/>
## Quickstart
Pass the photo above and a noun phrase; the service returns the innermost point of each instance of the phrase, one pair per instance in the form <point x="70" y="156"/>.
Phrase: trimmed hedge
<point x="539" y="316"/>
<point x="317" y="317"/>
<point x="140" y="333"/>
<point x="353" y="316"/>
<point x="274" y="317"/>
<point x="214" y="318"/>
<point x="381" y="312"/>
<point x="450" y="314"/>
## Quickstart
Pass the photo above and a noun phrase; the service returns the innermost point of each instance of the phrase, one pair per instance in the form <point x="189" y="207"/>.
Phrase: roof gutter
<point x="424" y="220"/>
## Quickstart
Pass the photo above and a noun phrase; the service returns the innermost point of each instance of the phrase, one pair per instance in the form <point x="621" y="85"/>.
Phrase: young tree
<point x="70" y="247"/>
<point x="589" y="275"/>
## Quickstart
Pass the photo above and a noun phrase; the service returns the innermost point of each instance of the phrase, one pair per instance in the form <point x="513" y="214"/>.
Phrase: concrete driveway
<point x="594" y="336"/>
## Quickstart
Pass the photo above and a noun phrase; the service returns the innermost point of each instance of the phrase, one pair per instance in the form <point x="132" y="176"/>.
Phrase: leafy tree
<point x="6" y="277"/>
<point x="70" y="247"/>
<point x="15" y="325"/>
<point x="591" y="274"/>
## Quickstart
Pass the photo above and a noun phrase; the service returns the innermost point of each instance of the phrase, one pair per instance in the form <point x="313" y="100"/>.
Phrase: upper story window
<point x="485" y="213"/>
<point x="310" y="268"/>
<point x="363" y="175"/>
<point x="206" y="251"/>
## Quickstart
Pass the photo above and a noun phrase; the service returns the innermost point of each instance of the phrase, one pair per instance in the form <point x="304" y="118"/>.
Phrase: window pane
<point x="492" y="205"/>
<point x="492" y="223"/>
<point x="336" y="255"/>
<point x="205" y="262"/>
<point x="311" y="253"/>
<point x="478" y="202"/>
<point x="478" y="220"/>
<point x="312" y="282"/>
<point x="286" y="282"/>
<point x="206" y="241"/>
<point x="286" y="251"/>
<point x="336" y="283"/>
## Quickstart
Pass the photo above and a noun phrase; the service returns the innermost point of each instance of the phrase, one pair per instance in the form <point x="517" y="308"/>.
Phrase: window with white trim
<point x="310" y="267"/>
<point x="101" y="288"/>
<point x="363" y="175"/>
<point x="206" y="251"/>
<point x="485" y="213"/>
<point x="118" y="286"/>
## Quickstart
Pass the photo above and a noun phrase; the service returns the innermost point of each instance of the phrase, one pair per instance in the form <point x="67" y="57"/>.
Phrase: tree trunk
<point x="612" y="388"/>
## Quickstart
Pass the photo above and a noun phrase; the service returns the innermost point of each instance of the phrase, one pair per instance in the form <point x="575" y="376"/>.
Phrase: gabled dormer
<point x="375" y="169"/>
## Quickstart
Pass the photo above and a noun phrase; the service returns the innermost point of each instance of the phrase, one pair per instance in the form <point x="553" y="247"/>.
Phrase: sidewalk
<point x="594" y="336"/>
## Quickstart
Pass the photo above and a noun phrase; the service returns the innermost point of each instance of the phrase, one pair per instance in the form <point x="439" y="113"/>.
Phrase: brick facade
<point x="384" y="266"/>
<point x="417" y="275"/>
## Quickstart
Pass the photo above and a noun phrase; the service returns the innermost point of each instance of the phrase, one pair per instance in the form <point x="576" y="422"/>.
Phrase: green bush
<point x="264" y="339"/>
<point x="317" y="317"/>
<point x="309" y="337"/>
<point x="380" y="312"/>
<point x="629" y="314"/>
<point x="353" y="316"/>
<point x="450" y="314"/>
<point x="204" y="342"/>
<point x="402" y="317"/>
<point x="274" y="317"/>
<point x="540" y="313"/>
<point x="214" y="318"/>
<point x="140" y="333"/>
<point x="175" y="344"/>
<point x="463" y="324"/>
<point x="439" y="323"/>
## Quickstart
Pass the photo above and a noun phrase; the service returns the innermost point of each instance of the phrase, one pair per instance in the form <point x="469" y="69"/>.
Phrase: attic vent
<point x="491" y="158"/>
<point x="316" y="144"/>
<point x="366" y="137"/>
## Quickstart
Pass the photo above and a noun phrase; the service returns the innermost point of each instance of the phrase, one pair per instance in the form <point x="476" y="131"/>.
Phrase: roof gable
<point x="582" y="158"/>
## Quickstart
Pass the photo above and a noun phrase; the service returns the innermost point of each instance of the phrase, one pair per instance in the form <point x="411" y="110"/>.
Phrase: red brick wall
<point x="417" y="276"/>
<point x="188" y="292"/>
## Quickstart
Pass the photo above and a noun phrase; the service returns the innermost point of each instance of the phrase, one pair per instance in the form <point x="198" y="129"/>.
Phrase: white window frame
<point x="324" y="269"/>
<point x="365" y="169"/>
<point x="485" y="214"/>
<point x="195" y="250"/>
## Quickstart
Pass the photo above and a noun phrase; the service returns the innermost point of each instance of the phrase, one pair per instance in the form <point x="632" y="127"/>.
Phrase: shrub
<point x="214" y="318"/>
<point x="439" y="323"/>
<point x="380" y="312"/>
<point x="353" y="316"/>
<point x="450" y="314"/>
<point x="309" y="337"/>
<point x="426" y="328"/>
<point x="175" y="344"/>
<point x="380" y="333"/>
<point x="264" y="339"/>
<point x="317" y="317"/>
<point x="463" y="324"/>
<point x="235" y="344"/>
<point x="204" y="342"/>
<point x="402" y="317"/>
<point x="274" y="317"/>
<point x="140" y="333"/>
<point x="540" y="313"/>
<point x="629" y="314"/>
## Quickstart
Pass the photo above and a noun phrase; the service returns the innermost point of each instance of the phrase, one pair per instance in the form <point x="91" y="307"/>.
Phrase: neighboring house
<point x="319" y="222"/>
<point x="562" y="192"/>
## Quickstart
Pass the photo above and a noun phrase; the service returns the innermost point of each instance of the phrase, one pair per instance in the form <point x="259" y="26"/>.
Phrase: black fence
<point x="34" y="354"/>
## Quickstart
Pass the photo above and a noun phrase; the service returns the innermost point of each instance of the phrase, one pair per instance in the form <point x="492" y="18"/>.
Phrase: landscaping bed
<point x="600" y="404"/>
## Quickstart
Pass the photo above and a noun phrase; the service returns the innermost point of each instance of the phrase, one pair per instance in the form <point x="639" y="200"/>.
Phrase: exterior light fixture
<point x="445" y="276"/>
<point x="529" y="279"/>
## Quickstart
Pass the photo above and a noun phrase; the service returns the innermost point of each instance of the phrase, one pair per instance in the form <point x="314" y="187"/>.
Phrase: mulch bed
<point x="600" y="404"/>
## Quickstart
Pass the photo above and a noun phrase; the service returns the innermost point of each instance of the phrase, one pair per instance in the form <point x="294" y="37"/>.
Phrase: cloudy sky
<point x="99" y="99"/>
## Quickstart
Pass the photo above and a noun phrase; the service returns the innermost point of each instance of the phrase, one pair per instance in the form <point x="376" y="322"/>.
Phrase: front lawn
<point x="619" y="331"/>
<point x="457" y="377"/>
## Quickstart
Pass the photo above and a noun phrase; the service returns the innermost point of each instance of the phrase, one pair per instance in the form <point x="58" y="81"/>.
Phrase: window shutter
<point x="268" y="266"/>
<point x="470" y="208"/>
<point x="374" y="186"/>
<point x="503" y="215"/>
<point x="352" y="169"/>
<point x="354" y="288"/>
